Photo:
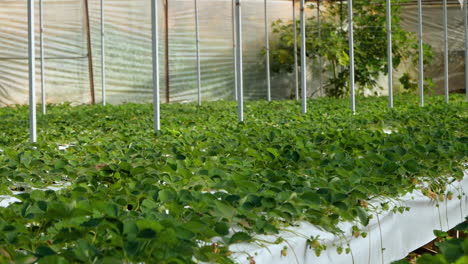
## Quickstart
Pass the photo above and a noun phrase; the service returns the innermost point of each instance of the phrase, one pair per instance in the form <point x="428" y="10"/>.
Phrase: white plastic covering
<point x="67" y="78"/>
<point x="433" y="35"/>
<point x="391" y="236"/>
<point x="128" y="50"/>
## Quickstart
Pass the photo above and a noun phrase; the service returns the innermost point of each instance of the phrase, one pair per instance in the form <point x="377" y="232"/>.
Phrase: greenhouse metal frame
<point x="238" y="57"/>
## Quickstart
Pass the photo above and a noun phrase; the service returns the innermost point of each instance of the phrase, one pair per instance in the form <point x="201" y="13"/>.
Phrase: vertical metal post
<point x="465" y="11"/>
<point x="389" y="53"/>
<point x="240" y="82"/>
<point x="446" y="59"/>
<point x="90" y="53"/>
<point x="197" y="33"/>
<point x="296" y="72"/>
<point x="267" y="49"/>
<point x="233" y="5"/>
<point x="421" y="55"/>
<point x="303" y="59"/>
<point x="168" y="76"/>
<point x="351" y="55"/>
<point x="155" y="44"/>
<point x="32" y="73"/>
<point x="41" y="37"/>
<point x="103" y="56"/>
<point x="319" y="33"/>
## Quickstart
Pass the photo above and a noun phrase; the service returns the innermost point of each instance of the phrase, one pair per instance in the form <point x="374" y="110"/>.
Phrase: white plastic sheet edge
<point x="400" y="233"/>
<point x="391" y="236"/>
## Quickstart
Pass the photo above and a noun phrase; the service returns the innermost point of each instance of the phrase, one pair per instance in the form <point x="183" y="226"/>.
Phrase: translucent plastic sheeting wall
<point x="67" y="77"/>
<point x="433" y="35"/>
<point x="128" y="50"/>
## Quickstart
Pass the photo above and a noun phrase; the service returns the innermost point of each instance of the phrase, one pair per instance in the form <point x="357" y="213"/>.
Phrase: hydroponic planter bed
<point x="140" y="197"/>
<point x="397" y="234"/>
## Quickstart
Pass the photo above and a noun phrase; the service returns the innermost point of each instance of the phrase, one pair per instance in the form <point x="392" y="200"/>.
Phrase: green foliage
<point x="135" y="196"/>
<point x="370" y="38"/>
<point x="407" y="83"/>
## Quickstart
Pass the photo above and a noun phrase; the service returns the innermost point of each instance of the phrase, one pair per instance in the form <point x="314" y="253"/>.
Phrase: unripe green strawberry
<point x="339" y="250"/>
<point x="315" y="244"/>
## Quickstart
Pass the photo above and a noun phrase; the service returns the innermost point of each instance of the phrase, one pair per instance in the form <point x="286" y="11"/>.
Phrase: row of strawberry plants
<point x="137" y="196"/>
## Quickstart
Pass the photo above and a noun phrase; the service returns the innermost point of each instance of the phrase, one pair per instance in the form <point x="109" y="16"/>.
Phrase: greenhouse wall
<point x="433" y="35"/>
<point x="128" y="50"/>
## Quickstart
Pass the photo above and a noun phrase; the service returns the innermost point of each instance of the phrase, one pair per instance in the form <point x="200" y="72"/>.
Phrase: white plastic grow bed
<point x="398" y="234"/>
<point x="6" y="200"/>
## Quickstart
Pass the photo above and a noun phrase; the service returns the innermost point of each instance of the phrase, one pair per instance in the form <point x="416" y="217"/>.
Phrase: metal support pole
<point x="197" y="33"/>
<point x="168" y="76"/>
<point x="319" y="31"/>
<point x="421" y="55"/>
<point x="303" y="59"/>
<point x="32" y="73"/>
<point x="446" y="59"/>
<point x="103" y="55"/>
<point x="155" y="43"/>
<point x="234" y="60"/>
<point x="41" y="37"/>
<point x="267" y="49"/>
<point x="90" y="53"/>
<point x="351" y="55"/>
<point x="234" y="50"/>
<point x="240" y="83"/>
<point x="296" y="72"/>
<point x="465" y="11"/>
<point x="389" y="53"/>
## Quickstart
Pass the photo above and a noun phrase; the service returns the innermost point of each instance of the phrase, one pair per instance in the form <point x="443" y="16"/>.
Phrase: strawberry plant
<point x="100" y="186"/>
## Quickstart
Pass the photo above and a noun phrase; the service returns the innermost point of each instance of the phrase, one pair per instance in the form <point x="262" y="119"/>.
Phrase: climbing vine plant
<point x="370" y="40"/>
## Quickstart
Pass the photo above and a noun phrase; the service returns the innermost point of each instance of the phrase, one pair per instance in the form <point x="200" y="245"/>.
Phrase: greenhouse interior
<point x="234" y="131"/>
